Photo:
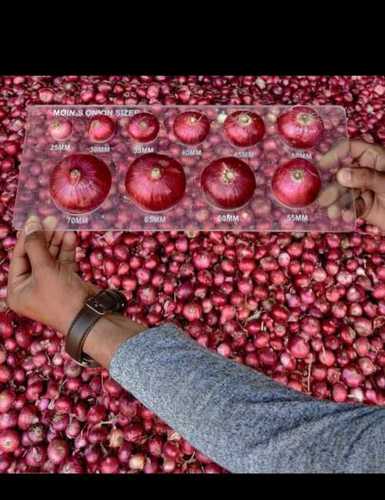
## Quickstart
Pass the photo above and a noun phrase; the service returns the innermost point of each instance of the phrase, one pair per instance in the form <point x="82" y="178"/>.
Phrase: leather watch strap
<point x="80" y="328"/>
<point x="106" y="301"/>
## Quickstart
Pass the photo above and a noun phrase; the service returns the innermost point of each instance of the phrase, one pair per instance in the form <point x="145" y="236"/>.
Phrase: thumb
<point x="362" y="178"/>
<point x="35" y="243"/>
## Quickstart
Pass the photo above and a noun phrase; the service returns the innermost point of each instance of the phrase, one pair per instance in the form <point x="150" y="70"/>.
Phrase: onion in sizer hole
<point x="228" y="183"/>
<point x="191" y="127"/>
<point x="80" y="183"/>
<point x="155" y="182"/>
<point x="143" y="127"/>
<point x="101" y="129"/>
<point x="60" y="129"/>
<point x="296" y="183"/>
<point x="244" y="128"/>
<point x="301" y="127"/>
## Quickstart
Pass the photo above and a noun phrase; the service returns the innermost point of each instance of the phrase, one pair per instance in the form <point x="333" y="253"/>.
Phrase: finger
<point x="19" y="263"/>
<point x="329" y="195"/>
<point x="364" y="205"/>
<point x="348" y="215"/>
<point x="49" y="225"/>
<point x="362" y="178"/>
<point x="334" y="211"/>
<point x="333" y="158"/>
<point x="368" y="158"/>
<point x="36" y="244"/>
<point x="346" y="199"/>
<point x="56" y="243"/>
<point x="343" y="207"/>
<point x="68" y="248"/>
<point x="369" y="155"/>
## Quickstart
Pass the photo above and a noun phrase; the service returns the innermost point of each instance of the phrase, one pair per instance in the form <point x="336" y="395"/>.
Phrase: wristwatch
<point x="105" y="302"/>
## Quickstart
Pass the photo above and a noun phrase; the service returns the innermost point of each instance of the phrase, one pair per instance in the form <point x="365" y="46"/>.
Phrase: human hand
<point x="363" y="169"/>
<point x="42" y="280"/>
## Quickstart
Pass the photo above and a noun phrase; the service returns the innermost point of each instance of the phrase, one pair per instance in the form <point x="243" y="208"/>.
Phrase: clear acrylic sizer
<point x="194" y="211"/>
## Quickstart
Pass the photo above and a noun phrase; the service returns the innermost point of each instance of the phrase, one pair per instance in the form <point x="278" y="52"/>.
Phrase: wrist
<point x="108" y="333"/>
<point x="67" y="314"/>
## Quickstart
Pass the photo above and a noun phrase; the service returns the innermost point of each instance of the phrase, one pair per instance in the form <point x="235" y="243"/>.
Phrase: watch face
<point x="105" y="301"/>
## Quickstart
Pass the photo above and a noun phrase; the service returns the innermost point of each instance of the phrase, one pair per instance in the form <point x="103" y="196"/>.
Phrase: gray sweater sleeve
<point x="242" y="419"/>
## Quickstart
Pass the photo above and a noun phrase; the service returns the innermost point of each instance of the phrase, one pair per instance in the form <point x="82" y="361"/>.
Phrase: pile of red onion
<point x="308" y="310"/>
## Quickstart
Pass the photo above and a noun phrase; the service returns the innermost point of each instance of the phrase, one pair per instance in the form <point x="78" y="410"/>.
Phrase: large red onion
<point x="244" y="128"/>
<point x="155" y="182"/>
<point x="191" y="127"/>
<point x="80" y="183"/>
<point x="228" y="183"/>
<point x="301" y="127"/>
<point x="296" y="183"/>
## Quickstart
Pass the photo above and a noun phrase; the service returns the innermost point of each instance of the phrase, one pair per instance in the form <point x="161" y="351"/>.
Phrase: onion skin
<point x="143" y="127"/>
<point x="244" y="129"/>
<point x="296" y="183"/>
<point x="80" y="183"/>
<point x="191" y="127"/>
<point x="301" y="127"/>
<point x="155" y="182"/>
<point x="228" y="183"/>
<point x="101" y="129"/>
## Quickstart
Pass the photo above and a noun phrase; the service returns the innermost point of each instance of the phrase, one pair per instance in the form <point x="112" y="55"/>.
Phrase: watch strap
<point x="106" y="301"/>
<point x="77" y="334"/>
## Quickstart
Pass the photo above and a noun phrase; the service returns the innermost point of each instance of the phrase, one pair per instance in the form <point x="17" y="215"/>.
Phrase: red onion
<point x="137" y="461"/>
<point x="9" y="441"/>
<point x="8" y="420"/>
<point x="192" y="311"/>
<point x="155" y="182"/>
<point x="71" y="466"/>
<point x="60" y="129"/>
<point x="352" y="377"/>
<point x="168" y="465"/>
<point x="143" y="127"/>
<point x="298" y="347"/>
<point x="57" y="451"/>
<point x="228" y="183"/>
<point x="301" y="127"/>
<point x="244" y="128"/>
<point x="36" y="433"/>
<point x="28" y="416"/>
<point x="134" y="433"/>
<point x="151" y="466"/>
<point x="5" y="462"/>
<point x="35" y="456"/>
<point x="7" y="397"/>
<point x="363" y="326"/>
<point x="80" y="183"/>
<point x="191" y="127"/>
<point x="96" y="414"/>
<point x="110" y="465"/>
<point x="124" y="453"/>
<point x="155" y="446"/>
<point x="101" y="129"/>
<point x="296" y="183"/>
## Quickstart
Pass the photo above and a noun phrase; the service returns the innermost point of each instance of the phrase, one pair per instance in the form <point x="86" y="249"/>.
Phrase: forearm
<point x="107" y="335"/>
<point x="243" y="420"/>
